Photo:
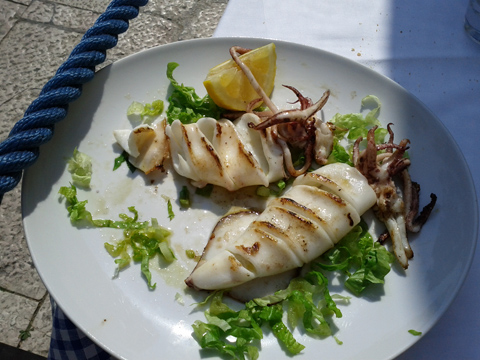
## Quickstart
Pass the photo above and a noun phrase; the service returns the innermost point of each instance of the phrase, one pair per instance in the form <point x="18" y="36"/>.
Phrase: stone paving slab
<point x="43" y="49"/>
<point x="39" y="12"/>
<point x="41" y="330"/>
<point x="15" y="315"/>
<point x="9" y="15"/>
<point x="98" y="6"/>
<point x="36" y="36"/>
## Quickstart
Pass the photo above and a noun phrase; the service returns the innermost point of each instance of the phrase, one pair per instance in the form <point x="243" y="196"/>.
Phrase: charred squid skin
<point x="411" y="192"/>
<point x="296" y="115"/>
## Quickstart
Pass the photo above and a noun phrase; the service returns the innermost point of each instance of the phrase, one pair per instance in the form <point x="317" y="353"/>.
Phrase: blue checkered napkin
<point x="69" y="343"/>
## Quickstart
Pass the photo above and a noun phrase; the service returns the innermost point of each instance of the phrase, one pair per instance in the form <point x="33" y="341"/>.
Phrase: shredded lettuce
<point x="184" y="198"/>
<point x="307" y="301"/>
<point x="339" y="154"/>
<point x="352" y="126"/>
<point x="76" y="209"/>
<point x="145" y="114"/>
<point x="142" y="239"/>
<point x="263" y="191"/>
<point x="171" y="214"/>
<point x="356" y="123"/>
<point x="184" y="103"/>
<point x="80" y="166"/>
<point x="140" y="245"/>
<point x="415" y="332"/>
<point x="190" y="254"/>
<point x="364" y="261"/>
<point x="123" y="158"/>
<point x="237" y="333"/>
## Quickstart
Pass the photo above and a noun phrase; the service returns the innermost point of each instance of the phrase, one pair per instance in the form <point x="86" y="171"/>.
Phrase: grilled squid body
<point x="222" y="152"/>
<point x="147" y="145"/>
<point x="208" y="151"/>
<point x="320" y="208"/>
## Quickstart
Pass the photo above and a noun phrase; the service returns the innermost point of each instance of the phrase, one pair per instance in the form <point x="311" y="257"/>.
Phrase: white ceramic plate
<point x="132" y="322"/>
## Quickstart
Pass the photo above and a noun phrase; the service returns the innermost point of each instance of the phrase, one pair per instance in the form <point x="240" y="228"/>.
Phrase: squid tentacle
<point x="398" y="213"/>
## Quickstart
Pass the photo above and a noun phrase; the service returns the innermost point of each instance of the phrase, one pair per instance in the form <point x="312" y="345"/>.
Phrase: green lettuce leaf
<point x="339" y="154"/>
<point x="80" y="166"/>
<point x="415" y="332"/>
<point x="146" y="114"/>
<point x="76" y="209"/>
<point x="184" y="198"/>
<point x="142" y="240"/>
<point x="354" y="125"/>
<point x="225" y="323"/>
<point x="184" y="103"/>
<point x="306" y="300"/>
<point x="364" y="261"/>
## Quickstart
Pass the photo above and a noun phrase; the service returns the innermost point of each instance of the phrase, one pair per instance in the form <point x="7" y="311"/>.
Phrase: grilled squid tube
<point x="319" y="210"/>
<point x="146" y="144"/>
<point x="222" y="152"/>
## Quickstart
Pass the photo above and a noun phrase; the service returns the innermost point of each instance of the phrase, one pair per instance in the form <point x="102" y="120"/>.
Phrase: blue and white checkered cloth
<point x="69" y="343"/>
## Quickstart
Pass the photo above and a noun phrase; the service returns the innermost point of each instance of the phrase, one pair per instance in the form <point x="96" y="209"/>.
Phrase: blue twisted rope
<point x="21" y="149"/>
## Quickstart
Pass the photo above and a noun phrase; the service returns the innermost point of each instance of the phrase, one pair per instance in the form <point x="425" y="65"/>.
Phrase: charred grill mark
<point x="335" y="198"/>
<point x="293" y="240"/>
<point x="187" y="139"/>
<point x="142" y="130"/>
<point x="351" y="222"/>
<point x="287" y="201"/>
<point x="248" y="155"/>
<point x="265" y="236"/>
<point x="250" y="250"/>
<point x="219" y="130"/>
<point x="207" y="146"/>
<point x="297" y="217"/>
<point x="300" y="209"/>
<point x="235" y="264"/>
<point x="214" y="155"/>
<point x="270" y="226"/>
<point x="321" y="178"/>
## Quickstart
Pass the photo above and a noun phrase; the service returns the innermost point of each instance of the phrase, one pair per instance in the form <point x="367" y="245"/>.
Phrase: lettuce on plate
<point x="364" y="261"/>
<point x="142" y="239"/>
<point x="307" y="301"/>
<point x="184" y="103"/>
<point x="145" y="114"/>
<point x="80" y="166"/>
<point x="354" y="125"/>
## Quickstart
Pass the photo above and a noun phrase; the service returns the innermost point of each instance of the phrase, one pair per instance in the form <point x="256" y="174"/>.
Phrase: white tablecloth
<point x="421" y="45"/>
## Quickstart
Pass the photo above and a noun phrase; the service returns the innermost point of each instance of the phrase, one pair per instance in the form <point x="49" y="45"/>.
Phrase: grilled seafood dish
<point x="260" y="143"/>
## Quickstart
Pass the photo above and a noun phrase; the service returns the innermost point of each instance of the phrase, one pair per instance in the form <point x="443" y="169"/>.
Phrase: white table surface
<point x="422" y="46"/>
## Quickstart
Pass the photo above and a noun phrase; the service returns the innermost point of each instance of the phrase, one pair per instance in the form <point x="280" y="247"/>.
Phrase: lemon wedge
<point x="228" y="86"/>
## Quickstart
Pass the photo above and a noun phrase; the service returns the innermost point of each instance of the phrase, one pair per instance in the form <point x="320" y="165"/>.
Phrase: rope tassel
<point x="21" y="149"/>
